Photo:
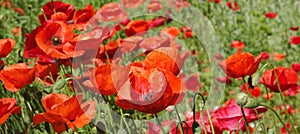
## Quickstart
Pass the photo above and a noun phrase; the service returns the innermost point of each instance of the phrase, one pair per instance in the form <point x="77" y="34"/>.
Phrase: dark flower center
<point x="55" y="40"/>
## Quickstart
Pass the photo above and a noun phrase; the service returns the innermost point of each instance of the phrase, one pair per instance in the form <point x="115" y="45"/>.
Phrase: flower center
<point x="55" y="40"/>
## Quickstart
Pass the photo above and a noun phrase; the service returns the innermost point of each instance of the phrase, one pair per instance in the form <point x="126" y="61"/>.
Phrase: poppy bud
<point x="242" y="99"/>
<point x="252" y="103"/>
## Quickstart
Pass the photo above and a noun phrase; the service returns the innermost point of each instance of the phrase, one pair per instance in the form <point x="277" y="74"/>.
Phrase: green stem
<point x="246" y="122"/>
<point x="176" y="110"/>
<point x="276" y="116"/>
<point x="159" y="124"/>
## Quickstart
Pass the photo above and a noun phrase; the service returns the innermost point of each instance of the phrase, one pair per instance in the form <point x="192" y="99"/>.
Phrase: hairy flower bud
<point x="242" y="99"/>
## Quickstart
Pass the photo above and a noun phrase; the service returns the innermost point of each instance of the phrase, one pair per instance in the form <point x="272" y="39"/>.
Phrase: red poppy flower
<point x="31" y="49"/>
<point x="132" y="3"/>
<point x="171" y="32"/>
<point x="154" y="6"/>
<point x="238" y="45"/>
<point x="224" y="79"/>
<point x="219" y="56"/>
<point x="268" y="96"/>
<point x="6" y="3"/>
<point x="167" y="58"/>
<point x="296" y="67"/>
<point x="54" y="39"/>
<point x="294" y="28"/>
<point x="255" y="92"/>
<point x="230" y="117"/>
<point x="270" y="15"/>
<point x="6" y="46"/>
<point x="108" y="50"/>
<point x="46" y="72"/>
<point x="287" y="78"/>
<point x="187" y="31"/>
<point x="233" y="5"/>
<point x="57" y="6"/>
<point x="240" y="65"/>
<point x="8" y="106"/>
<point x="16" y="76"/>
<point x="136" y="27"/>
<point x="109" y="78"/>
<point x="278" y="56"/>
<point x="130" y="43"/>
<point x="192" y="82"/>
<point x="20" y="11"/>
<point x="289" y="108"/>
<point x="155" y="42"/>
<point x="292" y="91"/>
<point x="112" y="12"/>
<point x="284" y="131"/>
<point x="82" y="16"/>
<point x="264" y="56"/>
<point x="16" y="31"/>
<point x="295" y="40"/>
<point x="215" y="1"/>
<point x="64" y="112"/>
<point x="150" y="91"/>
<point x="156" y="22"/>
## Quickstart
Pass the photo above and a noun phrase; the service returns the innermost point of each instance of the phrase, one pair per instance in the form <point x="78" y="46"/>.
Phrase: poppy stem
<point x="159" y="123"/>
<point x="283" y="102"/>
<point x="246" y="122"/>
<point x="66" y="127"/>
<point x="276" y="116"/>
<point x="181" y="128"/>
<point x="195" y="124"/>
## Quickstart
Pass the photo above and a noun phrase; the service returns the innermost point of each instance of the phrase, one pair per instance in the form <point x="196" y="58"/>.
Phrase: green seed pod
<point x="252" y="103"/>
<point x="242" y="99"/>
<point x="60" y="84"/>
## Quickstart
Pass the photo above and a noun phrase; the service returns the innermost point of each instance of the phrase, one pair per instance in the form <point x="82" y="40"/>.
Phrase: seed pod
<point x="242" y="99"/>
<point x="252" y="103"/>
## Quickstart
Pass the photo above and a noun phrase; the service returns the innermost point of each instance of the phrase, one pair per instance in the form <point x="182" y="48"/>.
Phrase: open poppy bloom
<point x="8" y="106"/>
<point x="154" y="42"/>
<point x="6" y="46"/>
<point x="56" y="6"/>
<point x="31" y="49"/>
<point x="108" y="78"/>
<point x="150" y="91"/>
<point x="136" y="27"/>
<point x="296" y="67"/>
<point x="226" y="118"/>
<point x="64" y="112"/>
<point x="16" y="76"/>
<point x="233" y="6"/>
<point x="238" y="45"/>
<point x="295" y="40"/>
<point x="82" y="16"/>
<point x="55" y="40"/>
<point x="255" y="92"/>
<point x="270" y="15"/>
<point x="132" y="3"/>
<point x="287" y="78"/>
<point x="240" y="65"/>
<point x="154" y="6"/>
<point x="278" y="56"/>
<point x="171" y="32"/>
<point x="167" y="58"/>
<point x="112" y="12"/>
